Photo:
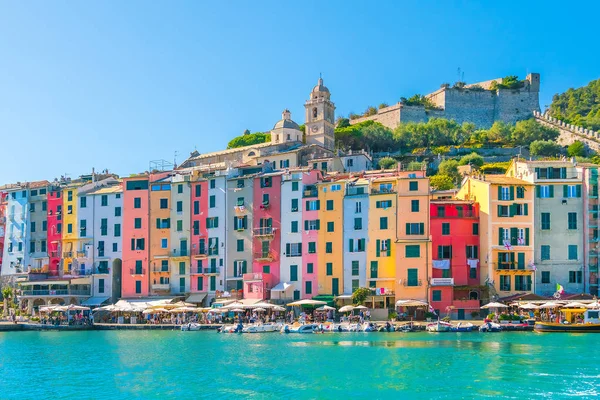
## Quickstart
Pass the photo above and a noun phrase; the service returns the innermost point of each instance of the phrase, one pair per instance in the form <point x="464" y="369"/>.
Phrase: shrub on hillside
<point x="544" y="148"/>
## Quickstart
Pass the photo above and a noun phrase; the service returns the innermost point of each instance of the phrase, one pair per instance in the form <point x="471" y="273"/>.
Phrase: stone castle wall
<point x="570" y="133"/>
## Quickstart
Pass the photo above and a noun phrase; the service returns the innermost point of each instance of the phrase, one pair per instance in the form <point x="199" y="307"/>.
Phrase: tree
<point x="6" y="295"/>
<point x="414" y="166"/>
<point x="246" y="132"/>
<point x="530" y="130"/>
<point x="441" y="182"/>
<point x="360" y="295"/>
<point x="248" y="139"/>
<point x="342" y="122"/>
<point x="387" y="163"/>
<point x="472" y="159"/>
<point x="577" y="149"/>
<point x="383" y="105"/>
<point x="579" y="106"/>
<point x="500" y="132"/>
<point x="370" y="111"/>
<point x="449" y="168"/>
<point x="544" y="148"/>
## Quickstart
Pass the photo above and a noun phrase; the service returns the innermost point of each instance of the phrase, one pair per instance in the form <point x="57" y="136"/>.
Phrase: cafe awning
<point x="195" y="298"/>
<point x="95" y="301"/>
<point x="281" y="287"/>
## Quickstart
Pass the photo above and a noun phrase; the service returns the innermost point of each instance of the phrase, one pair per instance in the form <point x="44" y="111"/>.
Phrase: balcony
<point x="158" y="270"/>
<point x="266" y="232"/>
<point x="211" y="271"/>
<point x="199" y="254"/>
<point x="134" y="271"/>
<point x="442" y="281"/>
<point x="56" y="292"/>
<point x="184" y="253"/>
<point x="68" y="254"/>
<point x="264" y="256"/>
<point x="265" y="205"/>
<point x="81" y="272"/>
<point x="383" y="190"/>
<point x="310" y="191"/>
<point x="240" y="209"/>
<point x="102" y="271"/>
<point x="54" y="254"/>
<point x="255" y="277"/>
<point x="357" y="191"/>
<point x="412" y="283"/>
<point x="82" y="254"/>
<point x="512" y="267"/>
<point x="161" y="286"/>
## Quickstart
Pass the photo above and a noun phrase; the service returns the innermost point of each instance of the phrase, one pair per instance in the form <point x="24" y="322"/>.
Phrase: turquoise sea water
<point x="187" y="365"/>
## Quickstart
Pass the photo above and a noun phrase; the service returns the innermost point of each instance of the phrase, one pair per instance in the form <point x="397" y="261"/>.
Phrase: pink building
<point x="54" y="229"/>
<point x="136" y="208"/>
<point x="266" y="237"/>
<point x="310" y="237"/>
<point x="199" y="236"/>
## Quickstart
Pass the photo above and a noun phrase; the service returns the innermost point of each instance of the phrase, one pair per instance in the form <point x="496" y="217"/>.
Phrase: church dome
<point x="286" y="121"/>
<point x="320" y="87"/>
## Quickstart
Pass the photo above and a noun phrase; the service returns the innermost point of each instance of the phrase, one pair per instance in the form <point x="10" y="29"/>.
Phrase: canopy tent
<point x="71" y="307"/>
<point x="278" y="308"/>
<point x="595" y="304"/>
<point x="195" y="298"/>
<point x="282" y="287"/>
<point x="411" y="303"/>
<point x="307" y="302"/>
<point x="494" y="305"/>
<point x="574" y="304"/>
<point x="95" y="301"/>
<point x="260" y="309"/>
<point x="550" y="304"/>
<point x="184" y="309"/>
<point x="260" y="305"/>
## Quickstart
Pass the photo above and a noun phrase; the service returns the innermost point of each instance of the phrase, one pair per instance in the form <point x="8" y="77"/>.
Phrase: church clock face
<point x="315" y="128"/>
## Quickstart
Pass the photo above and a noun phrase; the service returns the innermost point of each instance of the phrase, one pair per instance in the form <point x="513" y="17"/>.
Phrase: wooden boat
<point x="590" y="324"/>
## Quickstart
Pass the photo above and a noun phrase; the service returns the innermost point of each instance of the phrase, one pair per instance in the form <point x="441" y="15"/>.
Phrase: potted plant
<point x="429" y="316"/>
<point x="504" y="318"/>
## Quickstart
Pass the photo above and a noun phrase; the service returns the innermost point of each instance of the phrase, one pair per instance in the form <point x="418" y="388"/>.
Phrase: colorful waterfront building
<point x="199" y="238"/>
<point x="310" y="205"/>
<point x="506" y="228"/>
<point x="455" y="277"/>
<point x="71" y="233"/>
<point x="159" y="223"/>
<point x="37" y="219"/>
<point x="591" y="223"/>
<point x="266" y="235"/>
<point x="135" y="277"/>
<point x="413" y="244"/>
<point x="239" y="221"/>
<point x="15" y="258"/>
<point x="54" y="229"/>
<point x="180" y="240"/>
<point x="3" y="204"/>
<point x="330" y="247"/>
<point x="356" y="234"/>
<point x="216" y="231"/>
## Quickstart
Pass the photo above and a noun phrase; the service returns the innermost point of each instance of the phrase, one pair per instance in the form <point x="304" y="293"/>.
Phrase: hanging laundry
<point x="472" y="263"/>
<point x="441" y="264"/>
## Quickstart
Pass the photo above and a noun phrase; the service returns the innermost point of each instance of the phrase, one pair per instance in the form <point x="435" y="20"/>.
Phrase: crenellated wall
<point x="570" y="133"/>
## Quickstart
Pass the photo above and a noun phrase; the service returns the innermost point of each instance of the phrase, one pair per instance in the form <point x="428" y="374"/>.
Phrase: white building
<point x="356" y="220"/>
<point x="180" y="233"/>
<point x="216" y="223"/>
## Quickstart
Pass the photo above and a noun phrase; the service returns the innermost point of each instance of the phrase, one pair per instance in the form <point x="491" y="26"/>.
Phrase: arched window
<point x="251" y="154"/>
<point x="473" y="295"/>
<point x="315" y="112"/>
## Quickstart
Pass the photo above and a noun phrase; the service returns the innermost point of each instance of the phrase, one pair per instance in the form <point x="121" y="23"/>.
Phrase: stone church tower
<point x="320" y="115"/>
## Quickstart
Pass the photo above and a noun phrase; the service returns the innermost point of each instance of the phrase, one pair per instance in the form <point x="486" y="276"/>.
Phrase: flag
<point x="559" y="288"/>
<point x="431" y="309"/>
<point x="507" y="245"/>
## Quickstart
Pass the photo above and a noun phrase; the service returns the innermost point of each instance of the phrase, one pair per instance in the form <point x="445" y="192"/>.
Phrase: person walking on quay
<point x="368" y="315"/>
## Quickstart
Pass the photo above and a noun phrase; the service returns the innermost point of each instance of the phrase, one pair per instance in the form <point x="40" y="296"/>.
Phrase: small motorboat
<point x="368" y="327"/>
<point x="439" y="326"/>
<point x="297" y="328"/>
<point x="490" y="327"/>
<point x="262" y="328"/>
<point x="406" y="328"/>
<point x="231" y="328"/>
<point x="462" y="327"/>
<point x="192" y="326"/>
<point x="386" y="328"/>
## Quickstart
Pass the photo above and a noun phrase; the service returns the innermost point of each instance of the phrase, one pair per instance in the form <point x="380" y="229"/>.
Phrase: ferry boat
<point x="591" y="323"/>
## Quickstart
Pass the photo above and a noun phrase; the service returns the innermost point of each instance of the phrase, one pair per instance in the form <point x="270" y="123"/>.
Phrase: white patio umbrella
<point x="361" y="307"/>
<point x="346" y="309"/>
<point x="307" y="302"/>
<point x="262" y="304"/>
<point x="595" y="304"/>
<point x="326" y="308"/>
<point x="411" y="303"/>
<point x="184" y="309"/>
<point x="528" y="306"/>
<point x="494" y="305"/>
<point x="237" y="310"/>
<point x="550" y="304"/>
<point x="154" y="310"/>
<point x="574" y="304"/>
<point x="260" y="309"/>
<point x="110" y="308"/>
<point x="278" y="308"/>
<point x="234" y="305"/>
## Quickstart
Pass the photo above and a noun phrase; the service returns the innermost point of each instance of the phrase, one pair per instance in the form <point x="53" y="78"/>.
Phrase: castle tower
<point x="320" y="115"/>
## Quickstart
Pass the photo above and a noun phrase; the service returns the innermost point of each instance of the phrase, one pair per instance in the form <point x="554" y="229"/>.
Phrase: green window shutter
<point x="421" y="228"/>
<point x="307" y="206"/>
<point x="318" y="224"/>
<point x="578" y="189"/>
<point x="514" y="232"/>
<point x="389" y="247"/>
<point x="551" y="191"/>
<point x="526" y="236"/>
<point x="407" y="228"/>
<point x="500" y="234"/>
<point x="563" y="173"/>
<point x="245" y="222"/>
<point x="235" y="222"/>
<point x="157" y="223"/>
<point x="439" y="256"/>
<point x="378" y="244"/>
<point x="318" y="204"/>
<point x="538" y="190"/>
<point x="306" y="225"/>
<point x="288" y="250"/>
<point x="511" y="209"/>
<point x="499" y="192"/>
<point x="512" y="193"/>
<point x="537" y="172"/>
<point x="526" y="209"/>
<point x="512" y="257"/>
<point x="216" y="222"/>
<point x="499" y="210"/>
<point x="351" y="245"/>
<point x="521" y="260"/>
<point x="565" y="191"/>
<point x="499" y="258"/>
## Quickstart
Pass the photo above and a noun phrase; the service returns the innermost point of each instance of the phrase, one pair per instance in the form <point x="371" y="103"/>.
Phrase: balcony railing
<point x="59" y="292"/>
<point x="81" y="272"/>
<point x="134" y="271"/>
<point x="412" y="283"/>
<point x="383" y="190"/>
<point x="81" y="254"/>
<point x="442" y="281"/>
<point x="264" y="231"/>
<point x="160" y="269"/>
<point x="181" y="252"/>
<point x="357" y="191"/>
<point x="264" y="256"/>
<point x="53" y="253"/>
<point x="211" y="271"/>
<point x="199" y="254"/>
<point x="511" y="266"/>
<point x="68" y="254"/>
<point x="161" y="286"/>
<point x="310" y="192"/>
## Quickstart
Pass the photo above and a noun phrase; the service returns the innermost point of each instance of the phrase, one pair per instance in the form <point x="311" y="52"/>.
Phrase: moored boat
<point x="439" y="326"/>
<point x="262" y="328"/>
<point x="590" y="324"/>
<point x="305" y="328"/>
<point x="462" y="327"/>
<point x="490" y="327"/>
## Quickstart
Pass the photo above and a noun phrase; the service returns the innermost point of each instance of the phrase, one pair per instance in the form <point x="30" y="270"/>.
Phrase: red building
<point x="199" y="237"/>
<point x="455" y="277"/>
<point x="54" y="229"/>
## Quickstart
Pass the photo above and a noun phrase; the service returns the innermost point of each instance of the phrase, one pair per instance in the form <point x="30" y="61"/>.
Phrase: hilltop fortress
<point x="480" y="103"/>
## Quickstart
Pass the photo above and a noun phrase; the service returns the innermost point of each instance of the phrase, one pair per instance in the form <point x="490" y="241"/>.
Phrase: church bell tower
<point x="320" y="116"/>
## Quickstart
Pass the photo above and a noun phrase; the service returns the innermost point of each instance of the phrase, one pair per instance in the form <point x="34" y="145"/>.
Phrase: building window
<point x="212" y="222"/>
<point x="117" y="211"/>
<point x="545" y="276"/>
<point x="212" y="201"/>
<point x="383" y="204"/>
<point x="312" y="247"/>
<point x="503" y="211"/>
<point x="436" y="295"/>
<point x="520" y="192"/>
<point x="330" y="226"/>
<point x="413" y="277"/>
<point x="545" y="252"/>
<point x="240" y="245"/>
<point x="104" y="200"/>
<point x="357" y="224"/>
<point x="309" y="268"/>
<point x="308" y="287"/>
<point x="374" y="270"/>
<point x="445" y="228"/>
<point x="294" y="205"/>
<point x="358" y="207"/>
<point x="137" y="202"/>
<point x="575" y="277"/>
<point x="444" y="252"/>
<point x="504" y="193"/>
<point x="69" y="228"/>
<point x="412" y="251"/>
<point x="505" y="283"/>
<point x="198" y="190"/>
<point x="313" y="205"/>
<point x="572" y="220"/>
<point x="82" y="202"/>
<point x="293" y="273"/>
<point x="329" y="247"/>
<point x="413" y="186"/>
<point x="213" y="183"/>
<point x="355" y="268"/>
<point x="138" y="287"/>
<point x="572" y="191"/>
<point x="383" y="223"/>
<point x="329" y="269"/>
<point x="104" y="227"/>
<point x="164" y="243"/>
<point x="573" y="252"/>
<point x="294" y="226"/>
<point x="475" y="229"/>
<point x="196" y="206"/>
<point x="137" y="223"/>
<point x="545" y="221"/>
<point x="414" y="205"/>
<point x="472" y="251"/>
<point x="415" y="228"/>
<point x="294" y="186"/>
<point x="329" y="205"/>
<point x="164" y="203"/>
<point x="293" y="249"/>
<point x="545" y="191"/>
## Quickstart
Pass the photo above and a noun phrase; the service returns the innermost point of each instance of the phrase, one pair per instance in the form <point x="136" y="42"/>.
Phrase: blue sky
<point x="116" y="84"/>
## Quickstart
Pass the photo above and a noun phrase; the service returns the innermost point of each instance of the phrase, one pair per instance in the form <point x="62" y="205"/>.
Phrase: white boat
<point x="306" y="328"/>
<point x="192" y="326"/>
<point x="261" y="328"/>
<point x="439" y="326"/>
<point x="462" y="327"/>
<point x="229" y="329"/>
<point x="490" y="327"/>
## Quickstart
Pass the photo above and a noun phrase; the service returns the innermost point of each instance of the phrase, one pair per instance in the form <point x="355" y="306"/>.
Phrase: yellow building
<point x="506" y="232"/>
<point x="330" y="246"/>
<point x="413" y="244"/>
<point x="381" y="252"/>
<point x="70" y="228"/>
